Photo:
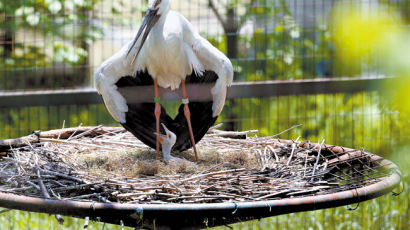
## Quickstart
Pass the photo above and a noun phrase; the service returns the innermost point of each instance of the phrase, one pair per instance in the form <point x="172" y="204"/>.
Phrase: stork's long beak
<point x="150" y="19"/>
<point x="165" y="128"/>
<point x="162" y="137"/>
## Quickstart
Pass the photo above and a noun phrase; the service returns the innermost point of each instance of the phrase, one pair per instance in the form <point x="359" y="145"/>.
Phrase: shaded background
<point x="58" y="44"/>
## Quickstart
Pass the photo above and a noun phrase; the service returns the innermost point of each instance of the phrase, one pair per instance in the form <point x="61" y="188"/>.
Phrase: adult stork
<point x="166" y="52"/>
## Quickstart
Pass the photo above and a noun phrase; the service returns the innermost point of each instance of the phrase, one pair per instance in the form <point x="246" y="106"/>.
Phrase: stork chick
<point x="167" y="141"/>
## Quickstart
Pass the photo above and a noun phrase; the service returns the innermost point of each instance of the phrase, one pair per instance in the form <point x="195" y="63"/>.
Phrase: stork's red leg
<point x="187" y="114"/>
<point x="157" y="113"/>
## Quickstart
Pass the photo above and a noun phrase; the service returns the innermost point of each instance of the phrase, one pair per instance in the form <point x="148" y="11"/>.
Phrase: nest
<point x="107" y="164"/>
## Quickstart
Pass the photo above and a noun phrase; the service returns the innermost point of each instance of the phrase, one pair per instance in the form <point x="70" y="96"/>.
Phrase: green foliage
<point x="278" y="51"/>
<point x="64" y="23"/>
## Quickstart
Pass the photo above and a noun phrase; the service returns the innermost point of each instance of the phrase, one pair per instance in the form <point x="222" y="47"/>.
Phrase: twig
<point x="232" y="133"/>
<point x="83" y="196"/>
<point x="84" y="133"/>
<point x="317" y="160"/>
<point x="213" y="173"/>
<point x="217" y="14"/>
<point x="86" y="221"/>
<point x="61" y="128"/>
<point x="74" y="132"/>
<point x="304" y="171"/>
<point x="18" y="142"/>
<point x="121" y="225"/>
<point x="274" y="152"/>
<point x="76" y="143"/>
<point x="33" y="185"/>
<point x="213" y="167"/>
<point x="286" y="130"/>
<point x="293" y="150"/>
<point x="58" y="217"/>
<point x="62" y="175"/>
<point x="215" y="127"/>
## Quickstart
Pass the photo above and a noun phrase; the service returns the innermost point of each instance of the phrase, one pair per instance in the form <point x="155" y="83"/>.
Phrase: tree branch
<point x="217" y="14"/>
<point x="245" y="16"/>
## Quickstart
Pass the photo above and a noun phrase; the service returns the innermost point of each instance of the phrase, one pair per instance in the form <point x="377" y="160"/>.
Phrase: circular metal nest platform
<point x="357" y="176"/>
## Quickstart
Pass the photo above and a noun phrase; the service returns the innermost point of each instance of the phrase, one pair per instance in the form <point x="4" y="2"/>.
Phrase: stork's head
<point x="167" y="140"/>
<point x="161" y="5"/>
<point x="156" y="8"/>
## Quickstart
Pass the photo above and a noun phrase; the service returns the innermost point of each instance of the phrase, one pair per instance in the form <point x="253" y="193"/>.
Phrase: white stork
<point x="168" y="54"/>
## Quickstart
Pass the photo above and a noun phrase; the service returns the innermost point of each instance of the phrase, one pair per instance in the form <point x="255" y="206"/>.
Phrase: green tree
<point x="64" y="25"/>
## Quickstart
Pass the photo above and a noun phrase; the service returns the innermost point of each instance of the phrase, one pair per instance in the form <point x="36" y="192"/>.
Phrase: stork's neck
<point x="164" y="9"/>
<point x="157" y="35"/>
<point x="166" y="149"/>
<point x="161" y="21"/>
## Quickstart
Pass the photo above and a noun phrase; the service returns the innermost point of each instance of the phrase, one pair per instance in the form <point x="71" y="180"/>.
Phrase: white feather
<point x="105" y="78"/>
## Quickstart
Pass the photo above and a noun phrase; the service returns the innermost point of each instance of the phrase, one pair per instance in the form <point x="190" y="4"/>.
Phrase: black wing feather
<point x="140" y="118"/>
<point x="201" y="116"/>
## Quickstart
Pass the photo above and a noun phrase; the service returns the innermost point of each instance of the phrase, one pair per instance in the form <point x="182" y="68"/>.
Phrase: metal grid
<point x="60" y="43"/>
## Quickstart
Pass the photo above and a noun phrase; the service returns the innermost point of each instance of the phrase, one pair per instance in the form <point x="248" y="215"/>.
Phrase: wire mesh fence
<point x="59" y="43"/>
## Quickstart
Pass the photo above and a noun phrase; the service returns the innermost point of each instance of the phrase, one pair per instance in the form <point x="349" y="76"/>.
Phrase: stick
<point x="58" y="217"/>
<point x="232" y="133"/>
<point x="75" y="143"/>
<point x="293" y="150"/>
<point x="18" y="142"/>
<point x="130" y="195"/>
<point x="274" y="152"/>
<point x="304" y="171"/>
<point x="213" y="167"/>
<point x="86" y="220"/>
<point x="317" y="160"/>
<point x="83" y="196"/>
<point x="215" y="127"/>
<point x="62" y="175"/>
<point x="61" y="128"/>
<point x="85" y="133"/>
<point x="122" y="224"/>
<point x="284" y="131"/>
<point x="213" y="173"/>
<point x="74" y="132"/>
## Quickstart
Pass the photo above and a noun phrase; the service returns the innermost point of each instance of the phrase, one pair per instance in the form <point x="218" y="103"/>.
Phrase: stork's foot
<point x="170" y="159"/>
